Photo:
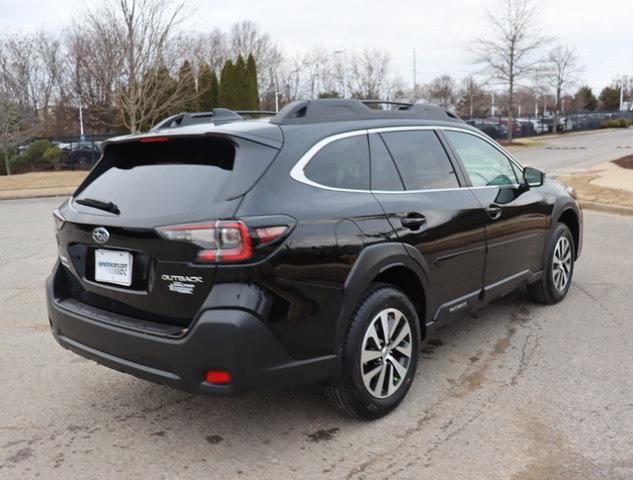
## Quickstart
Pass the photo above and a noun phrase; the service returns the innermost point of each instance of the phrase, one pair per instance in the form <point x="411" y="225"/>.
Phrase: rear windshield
<point x="175" y="176"/>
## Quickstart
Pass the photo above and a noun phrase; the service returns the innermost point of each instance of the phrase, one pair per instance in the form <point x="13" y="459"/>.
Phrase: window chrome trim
<point x="298" y="174"/>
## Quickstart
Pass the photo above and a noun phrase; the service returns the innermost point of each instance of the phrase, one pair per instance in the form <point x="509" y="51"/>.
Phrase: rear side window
<point x="421" y="160"/>
<point x="175" y="176"/>
<point x="485" y="165"/>
<point x="384" y="175"/>
<point x="341" y="164"/>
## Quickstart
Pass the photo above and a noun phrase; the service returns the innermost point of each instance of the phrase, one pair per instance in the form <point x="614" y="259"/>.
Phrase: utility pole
<point x="82" y="137"/>
<point x="415" y="78"/>
<point x="277" y="100"/>
<point x="344" y="71"/>
<point x="492" y="104"/>
<point x="624" y="79"/>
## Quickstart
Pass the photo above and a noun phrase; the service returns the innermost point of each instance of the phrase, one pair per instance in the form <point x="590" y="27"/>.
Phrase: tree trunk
<point x="510" y="103"/>
<point x="7" y="163"/>
<point x="556" y="110"/>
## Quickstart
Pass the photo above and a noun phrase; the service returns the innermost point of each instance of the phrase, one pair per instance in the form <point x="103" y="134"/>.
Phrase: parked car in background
<point x="80" y="155"/>
<point x="493" y="129"/>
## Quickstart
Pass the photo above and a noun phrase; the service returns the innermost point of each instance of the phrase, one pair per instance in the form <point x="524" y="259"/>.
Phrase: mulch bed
<point x="624" y="162"/>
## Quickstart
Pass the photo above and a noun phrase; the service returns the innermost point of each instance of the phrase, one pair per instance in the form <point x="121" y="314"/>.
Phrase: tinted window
<point x="484" y="164"/>
<point x="421" y="160"/>
<point x="384" y="175"/>
<point x="341" y="164"/>
<point x="176" y="176"/>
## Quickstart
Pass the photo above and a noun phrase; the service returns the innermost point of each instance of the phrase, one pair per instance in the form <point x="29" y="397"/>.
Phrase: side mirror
<point x="533" y="177"/>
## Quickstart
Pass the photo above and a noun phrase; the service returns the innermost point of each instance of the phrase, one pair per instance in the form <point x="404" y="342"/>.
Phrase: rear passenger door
<point x="423" y="197"/>
<point x="517" y="220"/>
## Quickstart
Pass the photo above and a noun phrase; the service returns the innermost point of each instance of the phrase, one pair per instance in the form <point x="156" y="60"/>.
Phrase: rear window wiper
<point x="107" y="206"/>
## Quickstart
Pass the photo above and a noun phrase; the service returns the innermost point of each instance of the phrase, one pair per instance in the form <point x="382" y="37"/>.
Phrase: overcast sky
<point x="439" y="30"/>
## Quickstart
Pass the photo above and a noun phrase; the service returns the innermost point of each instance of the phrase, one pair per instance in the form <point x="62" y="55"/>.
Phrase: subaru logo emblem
<point x="100" y="235"/>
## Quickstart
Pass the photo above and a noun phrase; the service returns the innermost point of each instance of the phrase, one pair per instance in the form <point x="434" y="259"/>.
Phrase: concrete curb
<point x="603" y="207"/>
<point x="37" y="195"/>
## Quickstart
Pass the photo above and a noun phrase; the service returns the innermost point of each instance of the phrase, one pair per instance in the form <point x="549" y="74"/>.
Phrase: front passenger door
<point x="439" y="221"/>
<point x="517" y="217"/>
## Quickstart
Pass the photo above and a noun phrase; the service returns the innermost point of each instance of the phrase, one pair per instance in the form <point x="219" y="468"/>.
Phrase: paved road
<point x="522" y="392"/>
<point x="577" y="152"/>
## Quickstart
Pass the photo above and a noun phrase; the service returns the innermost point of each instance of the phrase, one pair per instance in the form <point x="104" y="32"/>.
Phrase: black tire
<point x="545" y="290"/>
<point x="350" y="395"/>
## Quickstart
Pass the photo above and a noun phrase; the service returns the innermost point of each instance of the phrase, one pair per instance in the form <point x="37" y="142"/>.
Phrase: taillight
<point x="219" y="241"/>
<point x="223" y="241"/>
<point x="59" y="219"/>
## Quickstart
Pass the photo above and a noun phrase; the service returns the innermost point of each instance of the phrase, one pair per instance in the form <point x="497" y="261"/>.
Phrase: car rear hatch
<point x="113" y="253"/>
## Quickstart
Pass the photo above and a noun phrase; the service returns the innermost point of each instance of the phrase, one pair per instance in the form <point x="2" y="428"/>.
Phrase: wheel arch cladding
<point x="388" y="263"/>
<point x="570" y="218"/>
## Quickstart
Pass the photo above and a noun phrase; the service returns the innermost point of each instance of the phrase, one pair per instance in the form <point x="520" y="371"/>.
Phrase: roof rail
<point x="216" y="116"/>
<point x="256" y="113"/>
<point x="400" y="105"/>
<point x="339" y="110"/>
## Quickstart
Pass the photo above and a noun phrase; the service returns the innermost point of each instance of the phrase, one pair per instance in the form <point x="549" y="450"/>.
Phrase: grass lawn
<point x="37" y="184"/>
<point x="590" y="192"/>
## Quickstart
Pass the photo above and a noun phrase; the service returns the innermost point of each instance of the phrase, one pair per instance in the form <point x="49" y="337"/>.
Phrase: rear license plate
<point x="113" y="266"/>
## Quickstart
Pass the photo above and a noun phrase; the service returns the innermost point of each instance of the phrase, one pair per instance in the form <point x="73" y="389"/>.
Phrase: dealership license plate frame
<point x="119" y="272"/>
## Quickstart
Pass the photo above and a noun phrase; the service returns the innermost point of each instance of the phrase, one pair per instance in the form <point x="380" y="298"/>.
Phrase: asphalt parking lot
<point x="522" y="392"/>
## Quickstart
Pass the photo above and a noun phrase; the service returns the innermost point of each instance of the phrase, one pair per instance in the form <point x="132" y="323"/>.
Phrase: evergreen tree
<point x="251" y="72"/>
<point x="610" y="98"/>
<point x="227" y="97"/>
<point x="187" y="87"/>
<point x="241" y="85"/>
<point x="205" y="94"/>
<point x="214" y="91"/>
<point x="585" y="99"/>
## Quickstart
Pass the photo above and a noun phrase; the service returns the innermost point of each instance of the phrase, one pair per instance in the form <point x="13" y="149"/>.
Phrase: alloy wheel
<point x="386" y="353"/>
<point x="561" y="264"/>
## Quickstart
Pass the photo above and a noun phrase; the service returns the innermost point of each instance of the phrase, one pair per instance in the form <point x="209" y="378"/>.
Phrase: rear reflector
<point x="217" y="376"/>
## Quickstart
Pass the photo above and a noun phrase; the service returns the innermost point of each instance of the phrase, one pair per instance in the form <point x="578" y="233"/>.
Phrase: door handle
<point x="413" y="221"/>
<point x="494" y="211"/>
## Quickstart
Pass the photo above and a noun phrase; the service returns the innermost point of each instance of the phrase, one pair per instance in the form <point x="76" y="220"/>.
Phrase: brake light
<point x="219" y="242"/>
<point x="59" y="219"/>
<point x="154" y="139"/>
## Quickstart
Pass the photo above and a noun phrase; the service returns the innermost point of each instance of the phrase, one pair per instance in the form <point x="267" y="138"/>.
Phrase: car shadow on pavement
<point x="275" y="419"/>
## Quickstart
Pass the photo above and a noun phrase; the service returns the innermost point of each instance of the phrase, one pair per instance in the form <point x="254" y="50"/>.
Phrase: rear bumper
<point x="224" y="339"/>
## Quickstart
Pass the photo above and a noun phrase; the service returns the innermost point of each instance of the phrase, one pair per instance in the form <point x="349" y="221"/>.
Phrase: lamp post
<point x="344" y="70"/>
<point x="277" y="94"/>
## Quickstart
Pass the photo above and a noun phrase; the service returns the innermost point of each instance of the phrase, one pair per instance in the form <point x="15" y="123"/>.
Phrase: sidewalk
<point x="606" y="186"/>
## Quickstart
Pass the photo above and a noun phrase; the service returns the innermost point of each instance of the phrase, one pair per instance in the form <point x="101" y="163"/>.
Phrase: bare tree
<point x="562" y="71"/>
<point x="508" y="54"/>
<point x="148" y="39"/>
<point x="473" y="99"/>
<point x="442" y="91"/>
<point x="370" y="72"/>
<point x="25" y="91"/>
<point x="94" y="69"/>
<point x="211" y="49"/>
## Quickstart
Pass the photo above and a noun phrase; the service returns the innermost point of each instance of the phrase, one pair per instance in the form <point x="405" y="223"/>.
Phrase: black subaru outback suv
<point x="322" y="245"/>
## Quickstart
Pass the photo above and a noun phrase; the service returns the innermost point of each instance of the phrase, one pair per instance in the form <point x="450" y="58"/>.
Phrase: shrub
<point x="33" y="158"/>
<point x="616" y="123"/>
<point x="52" y="156"/>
